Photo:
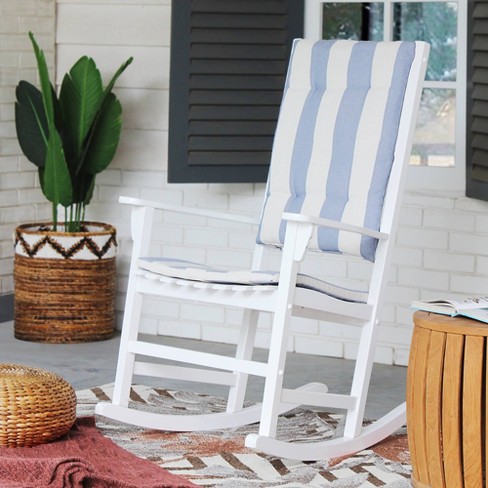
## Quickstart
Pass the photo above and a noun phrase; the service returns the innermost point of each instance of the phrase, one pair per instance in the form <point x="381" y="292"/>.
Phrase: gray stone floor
<point x="93" y="364"/>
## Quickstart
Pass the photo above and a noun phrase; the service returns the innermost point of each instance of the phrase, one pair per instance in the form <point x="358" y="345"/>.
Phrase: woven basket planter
<point x="64" y="283"/>
<point x="36" y="406"/>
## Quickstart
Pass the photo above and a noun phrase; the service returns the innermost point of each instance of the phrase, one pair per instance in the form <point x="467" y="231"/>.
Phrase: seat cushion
<point x="187" y="270"/>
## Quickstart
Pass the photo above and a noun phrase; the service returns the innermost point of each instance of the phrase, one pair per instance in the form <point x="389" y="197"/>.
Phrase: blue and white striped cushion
<point x="335" y="139"/>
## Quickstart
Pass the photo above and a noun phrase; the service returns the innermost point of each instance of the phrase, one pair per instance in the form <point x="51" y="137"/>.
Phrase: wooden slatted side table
<point x="447" y="402"/>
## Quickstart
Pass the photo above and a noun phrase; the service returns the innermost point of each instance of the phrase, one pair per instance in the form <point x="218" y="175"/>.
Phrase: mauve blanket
<point x="83" y="458"/>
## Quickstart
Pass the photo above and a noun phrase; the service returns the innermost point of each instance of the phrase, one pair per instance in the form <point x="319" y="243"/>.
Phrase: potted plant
<point x="64" y="272"/>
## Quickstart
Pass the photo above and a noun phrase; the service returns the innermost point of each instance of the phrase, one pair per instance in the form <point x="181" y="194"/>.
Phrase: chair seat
<point x="187" y="270"/>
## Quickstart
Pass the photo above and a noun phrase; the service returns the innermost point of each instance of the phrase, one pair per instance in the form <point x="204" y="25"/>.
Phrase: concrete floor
<point x="93" y="364"/>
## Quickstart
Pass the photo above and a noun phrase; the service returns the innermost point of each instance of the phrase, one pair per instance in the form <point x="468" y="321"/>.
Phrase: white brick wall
<point x="20" y="197"/>
<point x="442" y="244"/>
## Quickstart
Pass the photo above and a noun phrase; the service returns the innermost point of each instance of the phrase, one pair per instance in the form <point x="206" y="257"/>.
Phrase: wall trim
<point x="6" y="307"/>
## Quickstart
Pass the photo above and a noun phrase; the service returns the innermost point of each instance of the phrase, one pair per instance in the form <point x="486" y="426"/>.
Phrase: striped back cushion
<point x="335" y="139"/>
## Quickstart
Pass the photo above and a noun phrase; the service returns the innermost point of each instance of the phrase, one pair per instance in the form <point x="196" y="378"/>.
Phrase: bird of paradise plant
<point x="71" y="137"/>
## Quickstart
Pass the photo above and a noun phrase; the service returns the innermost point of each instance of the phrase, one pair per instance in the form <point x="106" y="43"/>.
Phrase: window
<point x="438" y="155"/>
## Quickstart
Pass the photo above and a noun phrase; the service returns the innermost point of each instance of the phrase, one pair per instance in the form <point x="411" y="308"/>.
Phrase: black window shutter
<point x="477" y="101"/>
<point x="228" y="66"/>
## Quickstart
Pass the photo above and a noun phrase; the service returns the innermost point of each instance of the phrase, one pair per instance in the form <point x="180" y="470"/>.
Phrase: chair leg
<point x="276" y="367"/>
<point x="361" y="379"/>
<point x="126" y="359"/>
<point x="244" y="351"/>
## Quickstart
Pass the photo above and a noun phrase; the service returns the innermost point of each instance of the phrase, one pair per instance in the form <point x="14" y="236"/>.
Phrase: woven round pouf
<point x="36" y="406"/>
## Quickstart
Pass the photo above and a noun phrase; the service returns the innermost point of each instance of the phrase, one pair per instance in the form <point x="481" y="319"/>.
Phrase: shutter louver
<point x="477" y="102"/>
<point x="228" y="66"/>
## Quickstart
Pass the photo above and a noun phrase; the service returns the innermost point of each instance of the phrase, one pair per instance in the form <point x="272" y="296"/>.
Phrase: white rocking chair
<point x="341" y="149"/>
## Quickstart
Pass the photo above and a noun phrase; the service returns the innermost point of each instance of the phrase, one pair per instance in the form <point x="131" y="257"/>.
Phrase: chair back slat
<point x="335" y="139"/>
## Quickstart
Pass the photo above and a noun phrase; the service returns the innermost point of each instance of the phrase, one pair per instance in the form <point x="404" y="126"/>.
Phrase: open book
<point x="474" y="307"/>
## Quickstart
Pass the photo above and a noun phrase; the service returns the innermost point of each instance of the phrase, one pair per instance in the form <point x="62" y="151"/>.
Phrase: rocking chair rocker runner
<point x="341" y="148"/>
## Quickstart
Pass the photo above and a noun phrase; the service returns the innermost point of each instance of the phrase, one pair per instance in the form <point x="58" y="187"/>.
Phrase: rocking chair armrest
<point x="189" y="210"/>
<point x="333" y="224"/>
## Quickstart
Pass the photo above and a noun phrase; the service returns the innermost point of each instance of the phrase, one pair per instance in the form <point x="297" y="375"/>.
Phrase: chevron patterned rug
<point x="220" y="459"/>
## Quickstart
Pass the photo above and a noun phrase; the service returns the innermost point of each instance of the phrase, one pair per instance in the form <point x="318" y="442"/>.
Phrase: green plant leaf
<point x="104" y="137"/>
<point x="80" y="99"/>
<point x="56" y="178"/>
<point x="121" y="69"/>
<point x="46" y="87"/>
<point x="30" y="123"/>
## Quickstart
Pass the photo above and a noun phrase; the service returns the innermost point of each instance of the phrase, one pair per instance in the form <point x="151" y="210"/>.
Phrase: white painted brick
<point x="423" y="200"/>
<point x="384" y="355"/>
<point x="233" y="317"/>
<point x="206" y="237"/>
<point x="324" y="265"/>
<point x="361" y="272"/>
<point x="6" y="232"/>
<point x="141" y="179"/>
<point x="233" y="188"/>
<point x="449" y="261"/>
<point x="169" y="234"/>
<point x="481" y="225"/>
<point x="184" y="220"/>
<point x="263" y="340"/>
<point x="30" y="195"/>
<point x="165" y="195"/>
<point x="202" y="313"/>
<point x="250" y="203"/>
<point x="482" y="265"/>
<point x="242" y="240"/>
<point x="17" y="215"/>
<point x="471" y="205"/>
<point x="6" y="266"/>
<point x="469" y="284"/>
<point x="206" y="200"/>
<point x="215" y="333"/>
<point x="425" y="279"/>
<point x="320" y="346"/>
<point x="6" y="249"/>
<point x="401" y="294"/>
<point x="404" y="314"/>
<point x="401" y="356"/>
<point x="407" y="256"/>
<point x="475" y="244"/>
<point x="110" y="177"/>
<point x="7" y="284"/>
<point x="302" y="326"/>
<point x="146" y="25"/>
<point x="231" y="259"/>
<point x="148" y="326"/>
<point x="265" y="321"/>
<point x="423" y="238"/>
<point x="187" y="330"/>
<point x="8" y="197"/>
<point x="43" y="212"/>
<point x="445" y="219"/>
<point x="388" y="334"/>
<point x="387" y="313"/>
<point x="10" y="181"/>
<point x="143" y="150"/>
<point x="161" y="307"/>
<point x="188" y="253"/>
<point x="410" y="216"/>
<point x="339" y="331"/>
